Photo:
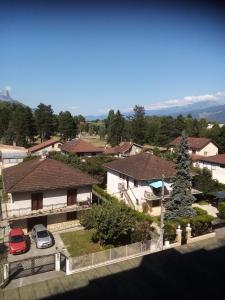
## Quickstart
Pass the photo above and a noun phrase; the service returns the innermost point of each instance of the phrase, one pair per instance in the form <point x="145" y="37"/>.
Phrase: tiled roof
<point x="122" y="148"/>
<point x="143" y="166"/>
<point x="42" y="145"/>
<point x="217" y="159"/>
<point x="80" y="146"/>
<point x="40" y="175"/>
<point x="193" y="142"/>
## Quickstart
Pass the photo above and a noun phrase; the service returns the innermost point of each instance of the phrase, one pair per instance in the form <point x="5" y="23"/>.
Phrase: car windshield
<point x="42" y="234"/>
<point x="16" y="239"/>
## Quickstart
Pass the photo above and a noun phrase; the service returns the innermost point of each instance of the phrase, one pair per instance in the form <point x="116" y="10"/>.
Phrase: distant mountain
<point x="196" y="109"/>
<point x="5" y="97"/>
<point x="214" y="113"/>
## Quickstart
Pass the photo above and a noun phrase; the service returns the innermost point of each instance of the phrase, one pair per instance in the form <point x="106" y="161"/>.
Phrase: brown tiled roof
<point x="80" y="146"/>
<point x="40" y="175"/>
<point x="196" y="157"/>
<point x="143" y="166"/>
<point x="196" y="143"/>
<point x="11" y="147"/>
<point x="42" y="145"/>
<point x="217" y="159"/>
<point x="121" y="148"/>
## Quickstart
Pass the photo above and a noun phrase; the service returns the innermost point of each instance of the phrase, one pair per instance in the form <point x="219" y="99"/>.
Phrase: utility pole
<point x="162" y="215"/>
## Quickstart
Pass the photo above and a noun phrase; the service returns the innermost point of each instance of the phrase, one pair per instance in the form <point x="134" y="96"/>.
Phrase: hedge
<point x="221" y="208"/>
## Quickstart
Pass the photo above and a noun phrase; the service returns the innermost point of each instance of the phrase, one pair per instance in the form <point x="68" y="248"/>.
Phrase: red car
<point x="17" y="241"/>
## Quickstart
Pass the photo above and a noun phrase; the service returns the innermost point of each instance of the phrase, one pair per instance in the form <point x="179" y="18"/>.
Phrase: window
<point x="205" y="153"/>
<point x="135" y="183"/>
<point x="53" y="145"/>
<point x="70" y="216"/>
<point x="213" y="166"/>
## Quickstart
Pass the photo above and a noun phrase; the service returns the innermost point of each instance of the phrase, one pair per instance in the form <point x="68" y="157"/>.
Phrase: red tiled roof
<point x="193" y="142"/>
<point x="196" y="157"/>
<point x="11" y="147"/>
<point x="42" y="145"/>
<point x="122" y="148"/>
<point x="143" y="166"/>
<point x="80" y="146"/>
<point x="40" y="175"/>
<point x="217" y="159"/>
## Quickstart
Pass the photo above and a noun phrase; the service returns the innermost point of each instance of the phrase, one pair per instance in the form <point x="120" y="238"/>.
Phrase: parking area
<point x="34" y="251"/>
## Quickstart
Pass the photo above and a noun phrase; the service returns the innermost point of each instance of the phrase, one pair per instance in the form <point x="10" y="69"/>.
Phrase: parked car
<point x="17" y="241"/>
<point x="41" y="236"/>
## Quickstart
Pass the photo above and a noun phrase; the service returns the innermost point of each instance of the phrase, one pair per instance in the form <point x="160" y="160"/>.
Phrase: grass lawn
<point x="79" y="242"/>
<point x="95" y="141"/>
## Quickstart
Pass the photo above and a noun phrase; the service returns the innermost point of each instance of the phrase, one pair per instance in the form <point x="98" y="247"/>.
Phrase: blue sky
<point x="89" y="60"/>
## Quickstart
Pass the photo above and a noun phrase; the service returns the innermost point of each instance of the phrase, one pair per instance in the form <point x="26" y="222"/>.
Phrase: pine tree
<point x="66" y="126"/>
<point x="44" y="120"/>
<point x="139" y="125"/>
<point x="179" y="205"/>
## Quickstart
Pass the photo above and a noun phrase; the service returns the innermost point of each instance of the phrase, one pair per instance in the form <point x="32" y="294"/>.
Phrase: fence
<point x="113" y="254"/>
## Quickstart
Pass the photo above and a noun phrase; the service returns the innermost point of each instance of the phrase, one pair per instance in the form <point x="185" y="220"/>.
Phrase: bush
<point x="221" y="208"/>
<point x="200" y="211"/>
<point x="170" y="231"/>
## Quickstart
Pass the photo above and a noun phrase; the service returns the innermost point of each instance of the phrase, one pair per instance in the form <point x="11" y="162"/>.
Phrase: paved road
<point x="189" y="272"/>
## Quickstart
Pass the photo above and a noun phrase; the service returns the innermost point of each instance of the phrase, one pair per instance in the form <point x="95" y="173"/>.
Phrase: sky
<point x="90" y="58"/>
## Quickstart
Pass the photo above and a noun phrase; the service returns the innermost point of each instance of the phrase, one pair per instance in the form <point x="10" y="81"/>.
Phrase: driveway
<point x="33" y="251"/>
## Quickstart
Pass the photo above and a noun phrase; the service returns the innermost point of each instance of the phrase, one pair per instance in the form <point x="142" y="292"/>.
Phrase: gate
<point x="31" y="266"/>
<point x="62" y="262"/>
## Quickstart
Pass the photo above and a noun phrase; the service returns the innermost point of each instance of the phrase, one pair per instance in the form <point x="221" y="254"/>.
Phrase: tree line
<point x="21" y="125"/>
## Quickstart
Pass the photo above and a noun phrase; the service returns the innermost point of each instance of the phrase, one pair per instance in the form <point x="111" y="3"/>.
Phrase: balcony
<point x="9" y="213"/>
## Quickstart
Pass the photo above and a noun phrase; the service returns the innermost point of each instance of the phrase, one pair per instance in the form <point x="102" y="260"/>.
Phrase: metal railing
<point x="112" y="254"/>
<point x="8" y="213"/>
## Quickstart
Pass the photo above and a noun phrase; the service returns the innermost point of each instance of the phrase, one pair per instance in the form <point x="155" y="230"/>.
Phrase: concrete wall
<point x="218" y="172"/>
<point x="135" y="150"/>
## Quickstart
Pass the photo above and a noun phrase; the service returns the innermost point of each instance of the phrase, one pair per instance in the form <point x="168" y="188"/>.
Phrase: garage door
<point x="37" y="220"/>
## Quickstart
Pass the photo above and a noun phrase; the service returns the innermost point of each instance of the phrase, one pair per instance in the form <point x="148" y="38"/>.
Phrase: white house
<point x="45" y="191"/>
<point x="138" y="179"/>
<point x="197" y="146"/>
<point x="124" y="149"/>
<point x="45" y="147"/>
<point x="215" y="163"/>
<point x="11" y="155"/>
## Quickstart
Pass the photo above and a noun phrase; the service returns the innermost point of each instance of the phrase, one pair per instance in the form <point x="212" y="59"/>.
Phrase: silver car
<point x="41" y="236"/>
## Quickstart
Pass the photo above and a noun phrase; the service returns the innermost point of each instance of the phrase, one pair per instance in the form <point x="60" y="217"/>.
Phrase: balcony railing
<point x="9" y="213"/>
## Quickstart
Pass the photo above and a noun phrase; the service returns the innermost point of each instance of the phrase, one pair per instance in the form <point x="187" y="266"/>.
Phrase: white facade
<point x="47" y="149"/>
<point x="217" y="170"/>
<point x="135" y="189"/>
<point x="209" y="150"/>
<point x="20" y="204"/>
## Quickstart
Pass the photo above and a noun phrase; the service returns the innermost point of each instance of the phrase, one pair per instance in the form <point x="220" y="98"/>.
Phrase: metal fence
<point x="117" y="253"/>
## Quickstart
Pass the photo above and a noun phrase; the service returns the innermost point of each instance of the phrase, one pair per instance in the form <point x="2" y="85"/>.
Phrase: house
<point x="138" y="179"/>
<point x="45" y="191"/>
<point x="11" y="155"/>
<point x="81" y="148"/>
<point x="45" y="147"/>
<point x="215" y="163"/>
<point x="197" y="146"/>
<point x="124" y="149"/>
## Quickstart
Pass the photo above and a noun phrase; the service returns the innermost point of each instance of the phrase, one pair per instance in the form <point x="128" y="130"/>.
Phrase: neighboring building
<point x="197" y="146"/>
<point x="81" y="148"/>
<point x="215" y="163"/>
<point x="45" y="191"/>
<point x="11" y="155"/>
<point x="124" y="149"/>
<point x="45" y="147"/>
<point x="138" y="179"/>
<point x="210" y="126"/>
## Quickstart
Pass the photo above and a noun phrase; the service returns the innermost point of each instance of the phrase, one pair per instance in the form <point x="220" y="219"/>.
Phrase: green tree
<point x="138" y="125"/>
<point x="44" y="120"/>
<point x="30" y="128"/>
<point x="180" y="202"/>
<point x="66" y="126"/>
<point x="117" y="126"/>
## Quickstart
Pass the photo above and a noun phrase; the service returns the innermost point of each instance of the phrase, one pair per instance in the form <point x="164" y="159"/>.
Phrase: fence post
<point x="178" y="235"/>
<point x="110" y="254"/>
<point x="6" y="272"/>
<point x="57" y="261"/>
<point x="126" y="250"/>
<point x="188" y="233"/>
<point x="67" y="266"/>
<point x="92" y="259"/>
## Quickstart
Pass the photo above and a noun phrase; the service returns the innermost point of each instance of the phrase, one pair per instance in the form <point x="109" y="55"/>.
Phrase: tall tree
<point x="18" y="126"/>
<point x="44" y="120"/>
<point x="66" y="125"/>
<point x="138" y="125"/>
<point x="109" y="125"/>
<point x="179" y="204"/>
<point x="30" y="128"/>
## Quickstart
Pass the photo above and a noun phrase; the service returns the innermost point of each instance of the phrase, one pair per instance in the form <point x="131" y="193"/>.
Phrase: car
<point x="17" y="241"/>
<point x="41" y="236"/>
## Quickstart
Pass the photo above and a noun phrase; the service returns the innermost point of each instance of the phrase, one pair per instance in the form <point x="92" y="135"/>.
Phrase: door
<point x="36" y="201"/>
<point x="71" y="197"/>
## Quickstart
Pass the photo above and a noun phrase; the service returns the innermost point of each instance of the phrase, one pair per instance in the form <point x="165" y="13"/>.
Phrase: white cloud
<point x="187" y="100"/>
<point x="74" y="107"/>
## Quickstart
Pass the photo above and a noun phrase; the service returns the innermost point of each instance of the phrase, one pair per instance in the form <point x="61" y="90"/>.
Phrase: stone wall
<point x="59" y="222"/>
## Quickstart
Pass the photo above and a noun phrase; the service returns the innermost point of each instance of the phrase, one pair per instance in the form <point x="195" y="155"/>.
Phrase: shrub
<point x="170" y="231"/>
<point x="200" y="211"/>
<point x="221" y="209"/>
<point x="145" y="208"/>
